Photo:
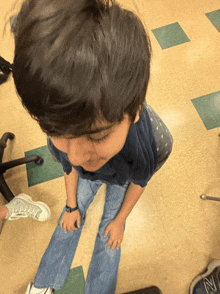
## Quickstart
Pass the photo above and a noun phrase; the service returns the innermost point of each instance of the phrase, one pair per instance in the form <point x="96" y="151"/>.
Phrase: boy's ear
<point x="137" y="115"/>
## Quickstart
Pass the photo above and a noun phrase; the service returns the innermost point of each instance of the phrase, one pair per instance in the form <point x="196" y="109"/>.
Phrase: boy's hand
<point x="116" y="230"/>
<point x="68" y="220"/>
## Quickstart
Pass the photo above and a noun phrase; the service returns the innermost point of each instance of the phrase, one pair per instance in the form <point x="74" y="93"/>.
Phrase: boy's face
<point x="91" y="155"/>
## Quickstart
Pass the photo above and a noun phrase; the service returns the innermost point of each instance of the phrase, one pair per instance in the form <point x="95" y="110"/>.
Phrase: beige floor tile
<point x="17" y="258"/>
<point x="171" y="234"/>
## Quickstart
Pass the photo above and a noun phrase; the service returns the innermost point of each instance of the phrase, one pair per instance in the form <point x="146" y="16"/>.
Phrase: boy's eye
<point x="98" y="140"/>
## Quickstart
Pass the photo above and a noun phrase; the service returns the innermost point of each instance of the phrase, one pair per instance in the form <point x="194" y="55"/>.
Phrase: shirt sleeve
<point x="60" y="156"/>
<point x="144" y="169"/>
<point x="140" y="182"/>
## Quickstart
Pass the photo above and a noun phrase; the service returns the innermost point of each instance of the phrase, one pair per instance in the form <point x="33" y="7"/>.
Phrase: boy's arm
<point x="71" y="182"/>
<point x="116" y="227"/>
<point x="132" y="195"/>
<point x="71" y="221"/>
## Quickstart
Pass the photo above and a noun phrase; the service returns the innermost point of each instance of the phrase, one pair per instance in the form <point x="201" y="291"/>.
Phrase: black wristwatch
<point x="69" y="209"/>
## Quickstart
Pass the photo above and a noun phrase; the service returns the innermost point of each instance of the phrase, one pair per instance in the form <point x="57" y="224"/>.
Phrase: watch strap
<point x="69" y="209"/>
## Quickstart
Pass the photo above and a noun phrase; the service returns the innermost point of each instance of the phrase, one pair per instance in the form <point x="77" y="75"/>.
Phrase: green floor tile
<point x="74" y="283"/>
<point x="48" y="171"/>
<point x="208" y="108"/>
<point x="214" y="17"/>
<point x="170" y="35"/>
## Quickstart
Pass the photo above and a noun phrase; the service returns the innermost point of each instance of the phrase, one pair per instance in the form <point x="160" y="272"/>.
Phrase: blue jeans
<point x="57" y="259"/>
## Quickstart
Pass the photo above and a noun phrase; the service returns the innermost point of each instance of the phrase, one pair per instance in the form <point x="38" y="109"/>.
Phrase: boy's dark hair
<point x="79" y="60"/>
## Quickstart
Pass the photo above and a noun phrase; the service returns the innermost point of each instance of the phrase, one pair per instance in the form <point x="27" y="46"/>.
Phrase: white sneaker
<point x="32" y="290"/>
<point x="23" y="206"/>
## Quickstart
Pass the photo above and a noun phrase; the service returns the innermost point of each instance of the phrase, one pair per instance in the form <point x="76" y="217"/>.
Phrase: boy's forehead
<point x="100" y="126"/>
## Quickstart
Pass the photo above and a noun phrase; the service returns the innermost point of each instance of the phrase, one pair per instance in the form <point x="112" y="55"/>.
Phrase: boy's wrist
<point x="71" y="209"/>
<point x="120" y="220"/>
<point x="71" y="204"/>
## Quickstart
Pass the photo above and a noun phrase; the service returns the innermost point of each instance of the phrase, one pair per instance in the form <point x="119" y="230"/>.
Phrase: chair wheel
<point x="11" y="135"/>
<point x="39" y="161"/>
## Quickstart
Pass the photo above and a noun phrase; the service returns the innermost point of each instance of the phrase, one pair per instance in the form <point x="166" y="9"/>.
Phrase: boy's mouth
<point x="93" y="165"/>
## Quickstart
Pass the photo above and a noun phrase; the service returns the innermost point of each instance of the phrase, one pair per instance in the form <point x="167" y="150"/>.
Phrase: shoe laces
<point x="22" y="208"/>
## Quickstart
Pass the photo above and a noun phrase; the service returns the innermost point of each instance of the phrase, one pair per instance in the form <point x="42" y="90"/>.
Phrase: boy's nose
<point x="81" y="160"/>
<point x="82" y="157"/>
<point x="80" y="152"/>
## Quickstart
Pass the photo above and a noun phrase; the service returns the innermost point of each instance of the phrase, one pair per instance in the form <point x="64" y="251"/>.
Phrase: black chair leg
<point x="4" y="189"/>
<point x="3" y="142"/>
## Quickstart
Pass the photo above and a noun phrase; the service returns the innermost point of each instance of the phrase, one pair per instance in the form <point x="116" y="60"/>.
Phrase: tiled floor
<point x="170" y="35"/>
<point x="171" y="234"/>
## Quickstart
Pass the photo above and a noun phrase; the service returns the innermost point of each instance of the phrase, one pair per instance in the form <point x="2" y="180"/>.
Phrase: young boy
<point x="82" y="69"/>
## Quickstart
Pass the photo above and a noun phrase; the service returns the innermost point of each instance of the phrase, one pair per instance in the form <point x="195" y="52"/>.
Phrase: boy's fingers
<point x="108" y="243"/>
<point x="114" y="245"/>
<point x="64" y="228"/>
<point x="106" y="233"/>
<point x="119" y="243"/>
